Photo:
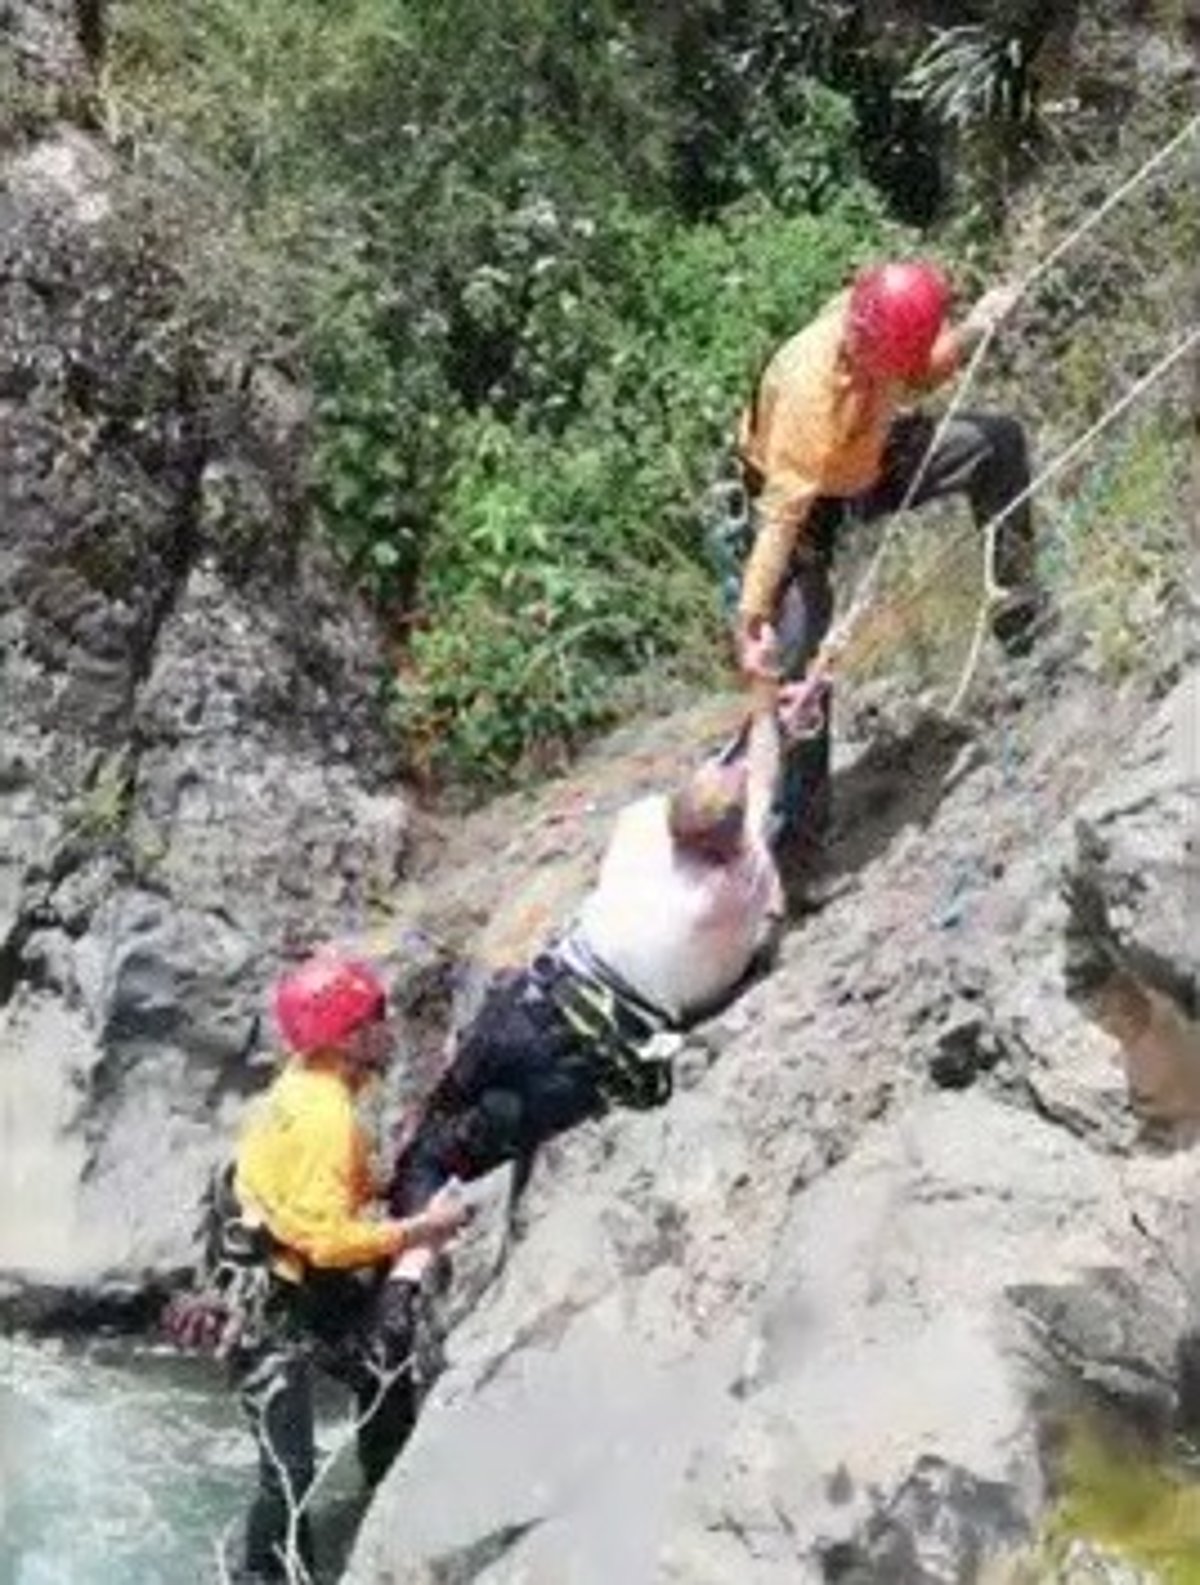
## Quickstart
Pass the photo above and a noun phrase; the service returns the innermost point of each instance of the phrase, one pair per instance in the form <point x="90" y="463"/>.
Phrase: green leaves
<point x="532" y="255"/>
<point x="567" y="542"/>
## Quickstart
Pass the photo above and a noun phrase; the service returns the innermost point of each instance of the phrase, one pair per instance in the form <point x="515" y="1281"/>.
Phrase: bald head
<point x="707" y="815"/>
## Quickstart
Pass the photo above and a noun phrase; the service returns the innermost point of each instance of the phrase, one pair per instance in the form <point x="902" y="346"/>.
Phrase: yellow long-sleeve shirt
<point x="302" y="1164"/>
<point x="814" y="429"/>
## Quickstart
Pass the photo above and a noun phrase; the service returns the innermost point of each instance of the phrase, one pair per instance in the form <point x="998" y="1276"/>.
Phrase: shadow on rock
<point x="898" y="781"/>
<point x="941" y="1525"/>
<point x="467" y="1564"/>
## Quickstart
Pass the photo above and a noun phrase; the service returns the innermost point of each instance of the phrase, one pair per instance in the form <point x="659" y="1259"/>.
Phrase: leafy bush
<point x="527" y="337"/>
<point x="565" y="560"/>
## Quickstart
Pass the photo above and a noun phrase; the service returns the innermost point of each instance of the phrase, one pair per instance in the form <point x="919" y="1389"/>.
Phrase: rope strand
<point x="992" y="592"/>
<point x="866" y="591"/>
<point x="862" y="644"/>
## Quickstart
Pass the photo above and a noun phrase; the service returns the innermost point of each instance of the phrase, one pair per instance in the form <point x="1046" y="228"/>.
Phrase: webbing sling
<point x="619" y="1026"/>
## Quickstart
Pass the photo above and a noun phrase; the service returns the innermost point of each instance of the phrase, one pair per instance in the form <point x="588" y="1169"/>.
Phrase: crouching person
<point x="687" y="899"/>
<point x="299" y="1206"/>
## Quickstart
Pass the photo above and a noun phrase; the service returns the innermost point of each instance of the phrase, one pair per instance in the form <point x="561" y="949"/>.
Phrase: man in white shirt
<point x="687" y="903"/>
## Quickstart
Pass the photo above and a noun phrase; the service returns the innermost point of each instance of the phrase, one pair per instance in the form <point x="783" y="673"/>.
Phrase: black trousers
<point x="325" y="1325"/>
<point x="983" y="456"/>
<point x="520" y="1075"/>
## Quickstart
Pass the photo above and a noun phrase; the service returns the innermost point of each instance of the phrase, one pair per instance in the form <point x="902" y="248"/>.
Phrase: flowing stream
<point x="120" y="1468"/>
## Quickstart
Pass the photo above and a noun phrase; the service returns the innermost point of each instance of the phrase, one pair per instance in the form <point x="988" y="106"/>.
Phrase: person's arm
<point x="957" y="343"/>
<point x="321" y="1219"/>
<point x="763" y="759"/>
<point x="785" y="503"/>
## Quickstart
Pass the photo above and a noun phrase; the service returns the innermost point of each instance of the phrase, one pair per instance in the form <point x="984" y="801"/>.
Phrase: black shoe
<point x="1016" y="620"/>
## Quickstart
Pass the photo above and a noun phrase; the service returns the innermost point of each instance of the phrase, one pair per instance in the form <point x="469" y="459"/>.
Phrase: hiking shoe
<point x="1016" y="619"/>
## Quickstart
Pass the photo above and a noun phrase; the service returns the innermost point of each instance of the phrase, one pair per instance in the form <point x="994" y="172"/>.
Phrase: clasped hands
<point x="800" y="704"/>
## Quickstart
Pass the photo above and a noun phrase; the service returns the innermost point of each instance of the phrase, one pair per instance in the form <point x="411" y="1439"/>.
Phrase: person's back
<point x="811" y="422"/>
<point x="302" y="1165"/>
<point x="677" y="925"/>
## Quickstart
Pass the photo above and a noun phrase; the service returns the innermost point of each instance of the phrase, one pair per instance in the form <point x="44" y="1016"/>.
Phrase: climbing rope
<point x="865" y="595"/>
<point x="853" y="629"/>
<point x="864" y="643"/>
<point x="993" y="594"/>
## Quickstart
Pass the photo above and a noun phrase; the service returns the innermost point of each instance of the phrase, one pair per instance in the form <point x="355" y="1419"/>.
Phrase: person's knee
<point x="1006" y="440"/>
<point x="484" y="1135"/>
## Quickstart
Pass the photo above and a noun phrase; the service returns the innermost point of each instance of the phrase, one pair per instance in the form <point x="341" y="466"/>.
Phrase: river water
<point x="118" y="1469"/>
<point x="135" y="1469"/>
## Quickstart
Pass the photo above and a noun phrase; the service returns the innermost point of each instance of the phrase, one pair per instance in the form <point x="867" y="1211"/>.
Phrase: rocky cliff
<point x="193" y="778"/>
<point x="820" y="1319"/>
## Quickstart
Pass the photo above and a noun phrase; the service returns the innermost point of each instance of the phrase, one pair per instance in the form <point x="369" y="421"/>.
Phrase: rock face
<point x="815" y="1320"/>
<point x="818" y="1319"/>
<point x="193" y="779"/>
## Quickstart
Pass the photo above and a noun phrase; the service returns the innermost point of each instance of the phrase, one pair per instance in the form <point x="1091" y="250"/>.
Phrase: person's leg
<point x="276" y="1393"/>
<point x="364" y="1340"/>
<point x="984" y="456"/>
<point x="387" y="1404"/>
<point x="517" y="1078"/>
<point x="804" y="807"/>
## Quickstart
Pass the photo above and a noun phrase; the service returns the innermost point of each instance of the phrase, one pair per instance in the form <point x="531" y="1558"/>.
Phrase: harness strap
<point x="577" y="956"/>
<point x="620" y="1027"/>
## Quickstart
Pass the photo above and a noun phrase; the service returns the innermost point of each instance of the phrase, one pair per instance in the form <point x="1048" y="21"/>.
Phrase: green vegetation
<point x="1122" y="581"/>
<point x="1126" y="1498"/>
<point x="101" y="810"/>
<point x="529" y="257"/>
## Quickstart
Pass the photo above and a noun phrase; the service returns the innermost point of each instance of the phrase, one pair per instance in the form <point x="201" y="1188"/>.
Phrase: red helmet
<point x="321" y="1003"/>
<point x="896" y="312"/>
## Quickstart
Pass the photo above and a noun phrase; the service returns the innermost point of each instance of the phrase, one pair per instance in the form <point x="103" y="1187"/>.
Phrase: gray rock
<point x="195" y="776"/>
<point x="816" y="1313"/>
<point x="42" y="37"/>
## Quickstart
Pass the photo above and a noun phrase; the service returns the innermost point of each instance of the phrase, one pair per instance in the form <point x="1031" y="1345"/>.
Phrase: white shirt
<point x="679" y="929"/>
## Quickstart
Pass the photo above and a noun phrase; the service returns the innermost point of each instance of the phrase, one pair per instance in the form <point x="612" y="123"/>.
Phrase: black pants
<point x="324" y="1325"/>
<point x="983" y="456"/>
<point x="520" y="1075"/>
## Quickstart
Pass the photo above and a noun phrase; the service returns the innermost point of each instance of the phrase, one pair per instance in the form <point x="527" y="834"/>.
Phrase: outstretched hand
<point x="446" y="1213"/>
<point x="801" y="706"/>
<point x="758" y="652"/>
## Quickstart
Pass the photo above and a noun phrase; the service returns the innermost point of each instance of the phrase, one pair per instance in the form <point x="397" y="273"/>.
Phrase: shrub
<point x="526" y="347"/>
<point x="566" y="557"/>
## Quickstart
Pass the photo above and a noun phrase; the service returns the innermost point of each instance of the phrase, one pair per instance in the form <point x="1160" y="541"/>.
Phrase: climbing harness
<point x="226" y="1309"/>
<point x="631" y="1042"/>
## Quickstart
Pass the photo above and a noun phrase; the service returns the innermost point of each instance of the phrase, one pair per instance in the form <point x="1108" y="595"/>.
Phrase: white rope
<point x="993" y="593"/>
<point x="865" y="594"/>
<point x="1110" y="203"/>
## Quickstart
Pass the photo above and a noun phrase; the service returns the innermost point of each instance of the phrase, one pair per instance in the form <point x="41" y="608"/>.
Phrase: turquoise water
<point x="134" y="1469"/>
<point x="116" y="1471"/>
